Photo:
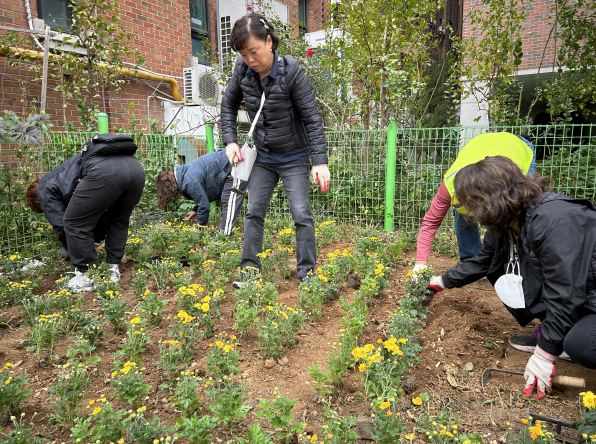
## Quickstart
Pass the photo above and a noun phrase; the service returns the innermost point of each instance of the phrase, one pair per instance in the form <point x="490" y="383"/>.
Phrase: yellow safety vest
<point x="488" y="145"/>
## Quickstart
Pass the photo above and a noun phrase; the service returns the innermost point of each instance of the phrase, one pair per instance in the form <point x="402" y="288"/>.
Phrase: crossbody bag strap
<point x="254" y="122"/>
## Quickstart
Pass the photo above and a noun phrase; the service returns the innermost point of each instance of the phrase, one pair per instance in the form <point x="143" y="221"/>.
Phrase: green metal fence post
<point x="390" y="175"/>
<point x="210" y="149"/>
<point x="210" y="139"/>
<point x="102" y="123"/>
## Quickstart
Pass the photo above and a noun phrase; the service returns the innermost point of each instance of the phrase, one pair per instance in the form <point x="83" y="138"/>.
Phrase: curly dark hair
<point x="495" y="191"/>
<point x="166" y="188"/>
<point x="31" y="197"/>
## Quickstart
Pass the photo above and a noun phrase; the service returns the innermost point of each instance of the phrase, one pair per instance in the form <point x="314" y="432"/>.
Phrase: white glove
<point x="437" y="281"/>
<point x="417" y="267"/>
<point x="539" y="372"/>
<point x="321" y="176"/>
<point x="233" y="153"/>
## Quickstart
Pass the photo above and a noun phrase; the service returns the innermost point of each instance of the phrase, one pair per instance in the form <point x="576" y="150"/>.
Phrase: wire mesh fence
<point x="357" y="162"/>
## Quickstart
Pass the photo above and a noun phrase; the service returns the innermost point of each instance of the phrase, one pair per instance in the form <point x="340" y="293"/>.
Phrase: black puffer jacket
<point x="558" y="263"/>
<point x="55" y="191"/>
<point x="290" y="118"/>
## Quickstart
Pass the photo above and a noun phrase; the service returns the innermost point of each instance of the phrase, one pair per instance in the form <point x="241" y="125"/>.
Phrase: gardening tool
<point x="236" y="187"/>
<point x="568" y="381"/>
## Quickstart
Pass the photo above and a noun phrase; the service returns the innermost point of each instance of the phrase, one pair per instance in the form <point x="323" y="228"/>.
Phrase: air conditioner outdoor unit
<point x="201" y="86"/>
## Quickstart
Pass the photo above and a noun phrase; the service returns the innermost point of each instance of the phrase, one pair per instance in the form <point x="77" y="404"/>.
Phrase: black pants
<point x="113" y="186"/>
<point x="231" y="203"/>
<point x="580" y="342"/>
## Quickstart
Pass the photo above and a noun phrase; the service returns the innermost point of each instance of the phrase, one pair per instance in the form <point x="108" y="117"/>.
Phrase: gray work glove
<point x="63" y="252"/>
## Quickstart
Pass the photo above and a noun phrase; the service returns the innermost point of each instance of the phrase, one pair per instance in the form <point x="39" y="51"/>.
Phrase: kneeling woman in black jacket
<point x="288" y="136"/>
<point x="551" y="239"/>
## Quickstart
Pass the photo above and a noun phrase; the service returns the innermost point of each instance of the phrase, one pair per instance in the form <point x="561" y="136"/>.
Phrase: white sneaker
<point x="114" y="274"/>
<point x="565" y="356"/>
<point x="80" y="282"/>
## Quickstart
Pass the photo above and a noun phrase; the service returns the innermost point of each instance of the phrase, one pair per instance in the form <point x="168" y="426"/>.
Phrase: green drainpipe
<point x="390" y="176"/>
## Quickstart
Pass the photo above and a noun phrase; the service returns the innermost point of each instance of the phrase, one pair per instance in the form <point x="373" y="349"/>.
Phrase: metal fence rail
<point x="357" y="161"/>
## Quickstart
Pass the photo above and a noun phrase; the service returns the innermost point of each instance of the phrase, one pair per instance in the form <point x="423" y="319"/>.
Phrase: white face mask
<point x="509" y="286"/>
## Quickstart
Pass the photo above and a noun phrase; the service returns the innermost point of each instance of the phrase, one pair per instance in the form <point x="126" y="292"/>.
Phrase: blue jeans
<point x="468" y="237"/>
<point x="296" y="182"/>
<point x="532" y="168"/>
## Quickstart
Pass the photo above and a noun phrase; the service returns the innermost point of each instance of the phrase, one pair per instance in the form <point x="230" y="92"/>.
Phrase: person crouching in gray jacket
<point x="205" y="180"/>
<point x="50" y="196"/>
<point x="547" y="239"/>
<point x="288" y="136"/>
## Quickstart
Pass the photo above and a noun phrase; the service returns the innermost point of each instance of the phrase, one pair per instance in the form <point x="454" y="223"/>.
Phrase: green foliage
<point x="572" y="88"/>
<point x="223" y="358"/>
<point x="129" y="384"/>
<point x="21" y="434"/>
<point x="278" y="413"/>
<point x="491" y="55"/>
<point x="573" y="170"/>
<point x="143" y="431"/>
<point x="68" y="391"/>
<point x="197" y="430"/>
<point x="12" y="391"/>
<point x="228" y="399"/>
<point x="186" y="396"/>
<point x="277" y="328"/>
<point x="254" y="435"/>
<point x="434" y="107"/>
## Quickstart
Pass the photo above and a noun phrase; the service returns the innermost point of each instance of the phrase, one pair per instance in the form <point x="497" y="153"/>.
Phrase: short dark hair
<point x="166" y="188"/>
<point x="495" y="191"/>
<point x="31" y="197"/>
<point x="254" y="25"/>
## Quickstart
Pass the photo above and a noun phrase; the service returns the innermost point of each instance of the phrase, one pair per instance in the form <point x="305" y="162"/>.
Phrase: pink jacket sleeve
<point x="431" y="222"/>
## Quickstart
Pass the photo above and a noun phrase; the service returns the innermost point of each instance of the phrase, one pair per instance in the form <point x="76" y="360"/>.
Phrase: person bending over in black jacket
<point x="288" y="136"/>
<point x="51" y="194"/>
<point x="109" y="184"/>
<point x="553" y="239"/>
<point x="205" y="180"/>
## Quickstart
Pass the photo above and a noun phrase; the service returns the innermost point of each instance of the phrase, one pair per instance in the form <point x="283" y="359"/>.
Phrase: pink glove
<point x="540" y="371"/>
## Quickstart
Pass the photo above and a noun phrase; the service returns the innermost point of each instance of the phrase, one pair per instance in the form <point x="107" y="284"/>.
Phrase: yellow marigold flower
<point x="533" y="436"/>
<point x="113" y="375"/>
<point x="330" y="435"/>
<point x="589" y="400"/>
<point x="205" y="307"/>
<point x="537" y="430"/>
<point x="369" y="347"/>
<point x="410" y="436"/>
<point x="443" y="432"/>
<point x="120" y="441"/>
<point x="389" y="413"/>
<point x="467" y="441"/>
<point x="7" y="365"/>
<point x="136" y="320"/>
<point x="417" y="400"/>
<point x="313" y="438"/>
<point x="96" y="410"/>
<point x="7" y="381"/>
<point x="384" y="405"/>
<point x="362" y="367"/>
<point x="524" y="421"/>
<point x="403" y="340"/>
<point x="219" y="344"/>
<point x="141" y="409"/>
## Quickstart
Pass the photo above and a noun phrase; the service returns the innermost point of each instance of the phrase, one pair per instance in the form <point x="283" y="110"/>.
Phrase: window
<point x="199" y="28"/>
<point x="56" y="14"/>
<point x="302" y="17"/>
<point x="225" y="32"/>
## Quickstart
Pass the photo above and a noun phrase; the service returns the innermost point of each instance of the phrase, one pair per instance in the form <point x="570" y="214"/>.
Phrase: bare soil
<point x="463" y="325"/>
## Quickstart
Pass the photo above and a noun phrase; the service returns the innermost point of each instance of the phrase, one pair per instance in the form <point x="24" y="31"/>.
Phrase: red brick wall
<point x="161" y="32"/>
<point x="535" y="35"/>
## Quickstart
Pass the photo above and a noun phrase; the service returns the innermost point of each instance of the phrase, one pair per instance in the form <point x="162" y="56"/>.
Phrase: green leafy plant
<point x="44" y="332"/>
<point x="228" y="399"/>
<point x="278" y="327"/>
<point x="68" y="391"/>
<point x="134" y="345"/>
<point x="278" y="413"/>
<point x="12" y="391"/>
<point x="129" y="384"/>
<point x="223" y="358"/>
<point x="197" y="430"/>
<point x="21" y="434"/>
<point x="152" y="306"/>
<point x="186" y="397"/>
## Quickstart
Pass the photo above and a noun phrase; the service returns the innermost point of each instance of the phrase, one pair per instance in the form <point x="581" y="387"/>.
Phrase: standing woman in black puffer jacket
<point x="288" y="136"/>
